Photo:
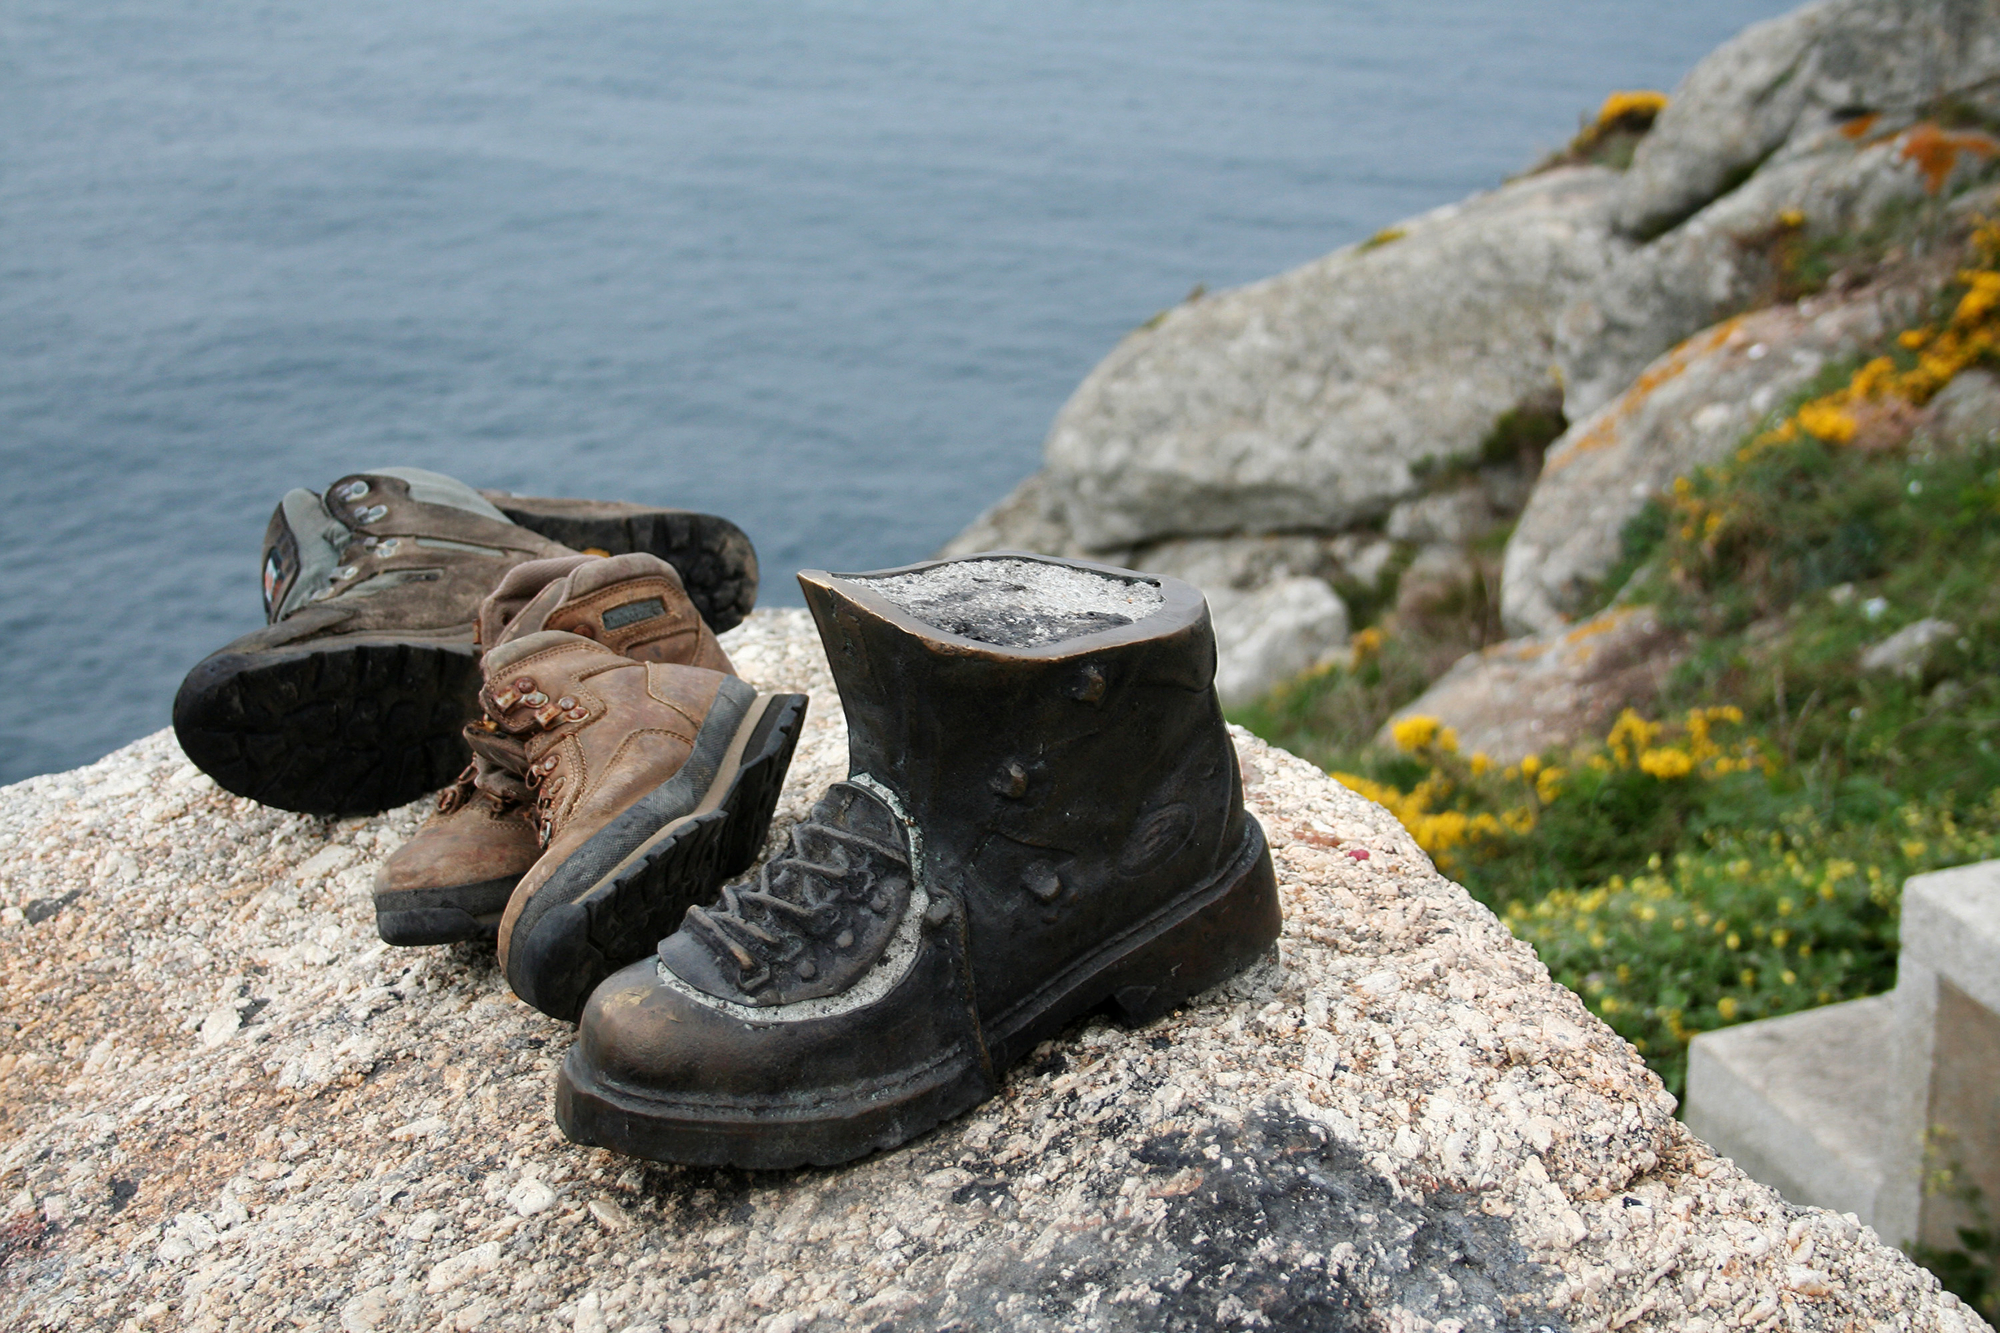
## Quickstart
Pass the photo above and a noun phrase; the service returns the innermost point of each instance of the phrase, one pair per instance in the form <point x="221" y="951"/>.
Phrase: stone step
<point x="1802" y="1103"/>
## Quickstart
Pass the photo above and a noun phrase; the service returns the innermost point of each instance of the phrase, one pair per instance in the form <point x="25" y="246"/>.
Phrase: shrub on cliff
<point x="1741" y="856"/>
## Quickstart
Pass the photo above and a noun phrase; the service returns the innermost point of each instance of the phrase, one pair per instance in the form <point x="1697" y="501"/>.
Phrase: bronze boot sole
<point x="614" y="898"/>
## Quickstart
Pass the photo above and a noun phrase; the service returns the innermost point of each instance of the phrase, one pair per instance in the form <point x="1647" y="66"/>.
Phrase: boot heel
<point x="1224" y="937"/>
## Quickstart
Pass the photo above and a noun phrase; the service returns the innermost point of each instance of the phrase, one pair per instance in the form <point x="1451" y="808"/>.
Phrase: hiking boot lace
<point x="806" y="908"/>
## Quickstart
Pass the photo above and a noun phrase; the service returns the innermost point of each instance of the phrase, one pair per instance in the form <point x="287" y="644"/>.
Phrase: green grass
<point x="1682" y="904"/>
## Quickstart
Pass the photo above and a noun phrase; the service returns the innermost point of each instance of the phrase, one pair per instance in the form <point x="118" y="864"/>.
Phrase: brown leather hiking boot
<point x="452" y="880"/>
<point x="1042" y="818"/>
<point x="351" y="699"/>
<point x="653" y="783"/>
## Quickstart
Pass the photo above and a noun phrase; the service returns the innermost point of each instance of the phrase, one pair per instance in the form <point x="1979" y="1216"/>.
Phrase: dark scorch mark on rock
<point x="1274" y="1225"/>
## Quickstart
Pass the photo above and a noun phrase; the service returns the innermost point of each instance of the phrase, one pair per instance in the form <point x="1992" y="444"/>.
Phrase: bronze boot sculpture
<point x="652" y="783"/>
<point x="451" y="881"/>
<point x="1043" y="817"/>
<point x="350" y="700"/>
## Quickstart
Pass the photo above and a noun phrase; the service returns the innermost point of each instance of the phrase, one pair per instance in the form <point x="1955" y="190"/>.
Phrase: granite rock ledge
<point x="227" y="1106"/>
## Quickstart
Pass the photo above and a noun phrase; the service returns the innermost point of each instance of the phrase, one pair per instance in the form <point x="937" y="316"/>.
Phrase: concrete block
<point x="1951" y="924"/>
<point x="1801" y="1102"/>
<point x="1854" y="1106"/>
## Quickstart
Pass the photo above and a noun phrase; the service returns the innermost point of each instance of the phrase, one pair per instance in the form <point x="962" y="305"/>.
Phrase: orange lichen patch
<point x="1936" y="152"/>
<point x="1860" y="125"/>
<point x="1597" y="625"/>
<point x="1663" y="371"/>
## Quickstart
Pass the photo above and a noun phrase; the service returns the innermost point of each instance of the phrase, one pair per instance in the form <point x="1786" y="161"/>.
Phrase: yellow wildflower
<point x="1827" y="421"/>
<point x="1639" y="102"/>
<point x="1412" y="734"/>
<point x="1666" y="764"/>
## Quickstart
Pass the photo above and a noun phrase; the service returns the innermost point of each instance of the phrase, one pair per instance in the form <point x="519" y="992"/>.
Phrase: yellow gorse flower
<point x="1972" y="332"/>
<point x="1416" y="734"/>
<point x="1637" y="102"/>
<point x="1666" y="763"/>
<point x="1442" y="811"/>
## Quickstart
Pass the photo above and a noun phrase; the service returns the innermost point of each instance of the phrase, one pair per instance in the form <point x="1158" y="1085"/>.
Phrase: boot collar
<point x="1180" y="606"/>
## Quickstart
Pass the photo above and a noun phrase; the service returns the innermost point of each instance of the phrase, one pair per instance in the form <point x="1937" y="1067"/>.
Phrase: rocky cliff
<point x="1302" y="445"/>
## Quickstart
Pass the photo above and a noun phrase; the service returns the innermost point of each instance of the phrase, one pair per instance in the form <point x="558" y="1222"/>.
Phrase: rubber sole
<point x="714" y="558"/>
<point x="330" y="728"/>
<point x="556" y="955"/>
<point x="1199" y="940"/>
<point x="453" y="914"/>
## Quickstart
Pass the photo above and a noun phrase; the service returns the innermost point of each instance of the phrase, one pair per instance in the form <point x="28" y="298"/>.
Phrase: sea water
<point x="828" y="268"/>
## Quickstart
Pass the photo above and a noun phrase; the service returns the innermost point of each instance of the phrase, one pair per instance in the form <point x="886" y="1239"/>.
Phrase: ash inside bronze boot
<point x="653" y="783"/>
<point x="1043" y="818"/>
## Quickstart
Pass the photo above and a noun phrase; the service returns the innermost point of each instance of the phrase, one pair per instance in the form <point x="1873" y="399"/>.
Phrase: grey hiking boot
<point x="351" y="699"/>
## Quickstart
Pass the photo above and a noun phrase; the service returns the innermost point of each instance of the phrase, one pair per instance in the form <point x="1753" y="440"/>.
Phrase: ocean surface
<point x="827" y="268"/>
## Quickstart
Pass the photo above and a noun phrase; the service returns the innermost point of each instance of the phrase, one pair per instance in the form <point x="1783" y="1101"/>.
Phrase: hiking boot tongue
<point x="309" y="535"/>
<point x="302" y="548"/>
<point x="634" y="604"/>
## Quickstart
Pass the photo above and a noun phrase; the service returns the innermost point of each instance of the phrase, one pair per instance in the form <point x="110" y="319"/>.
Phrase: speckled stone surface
<point x="228" y="1106"/>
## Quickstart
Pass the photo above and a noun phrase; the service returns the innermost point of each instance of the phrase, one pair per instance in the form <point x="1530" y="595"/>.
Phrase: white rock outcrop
<point x="1274" y="632"/>
<point x="1322" y="400"/>
<point x="1808" y="112"/>
<point x="1691" y="407"/>
<point x="1398" y="1121"/>
<point x="1313" y="399"/>
<point x="1779" y="85"/>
